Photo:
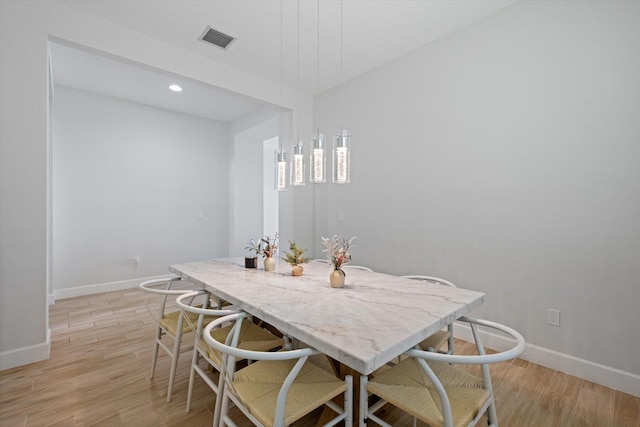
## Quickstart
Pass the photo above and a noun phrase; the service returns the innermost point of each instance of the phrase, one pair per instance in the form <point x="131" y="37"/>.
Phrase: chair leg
<point x="450" y="344"/>
<point x="492" y="416"/>
<point x="224" y="407"/>
<point x="218" y="416"/>
<point x="154" y="357"/>
<point x="364" y="406"/>
<point x="174" y="363"/>
<point x="288" y="344"/>
<point x="192" y="374"/>
<point x="348" y="401"/>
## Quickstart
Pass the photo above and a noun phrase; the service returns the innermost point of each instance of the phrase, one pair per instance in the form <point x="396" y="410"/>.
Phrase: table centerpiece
<point x="337" y="250"/>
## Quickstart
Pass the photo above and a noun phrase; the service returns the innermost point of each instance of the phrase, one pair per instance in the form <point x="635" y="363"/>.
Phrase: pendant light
<point x="342" y="158"/>
<point x="297" y="162"/>
<point x="317" y="160"/>
<point x="297" y="166"/>
<point x="281" y="155"/>
<point x="281" y="170"/>
<point x="342" y="141"/>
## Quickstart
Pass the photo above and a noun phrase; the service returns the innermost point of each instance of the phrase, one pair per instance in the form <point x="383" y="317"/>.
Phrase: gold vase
<point x="297" y="270"/>
<point x="336" y="278"/>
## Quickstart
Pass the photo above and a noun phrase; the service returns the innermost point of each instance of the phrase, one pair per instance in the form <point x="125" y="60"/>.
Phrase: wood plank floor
<point x="100" y="358"/>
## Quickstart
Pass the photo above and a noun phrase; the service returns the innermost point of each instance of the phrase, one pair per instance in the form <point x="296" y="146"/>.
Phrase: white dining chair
<point x="356" y="267"/>
<point x="435" y="341"/>
<point x="278" y="388"/>
<point x="159" y="296"/>
<point x="252" y="337"/>
<point x="429" y="387"/>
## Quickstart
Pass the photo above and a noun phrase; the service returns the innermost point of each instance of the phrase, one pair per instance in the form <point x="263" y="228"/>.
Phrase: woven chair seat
<point x="408" y="387"/>
<point x="435" y="341"/>
<point x="258" y="386"/>
<point x="252" y="337"/>
<point x="170" y="322"/>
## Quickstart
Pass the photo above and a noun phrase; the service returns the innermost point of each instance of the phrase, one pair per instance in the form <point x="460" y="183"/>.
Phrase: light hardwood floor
<point x="100" y="360"/>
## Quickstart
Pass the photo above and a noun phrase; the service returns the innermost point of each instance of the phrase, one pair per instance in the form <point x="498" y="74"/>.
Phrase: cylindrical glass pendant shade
<point x="341" y="158"/>
<point x="281" y="170"/>
<point x="297" y="165"/>
<point x="318" y="161"/>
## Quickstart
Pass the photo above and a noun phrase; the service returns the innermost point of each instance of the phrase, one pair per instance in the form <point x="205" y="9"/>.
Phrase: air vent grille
<point x="216" y="38"/>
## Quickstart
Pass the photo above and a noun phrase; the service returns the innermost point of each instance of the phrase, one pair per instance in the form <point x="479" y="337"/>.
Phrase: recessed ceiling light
<point x="175" y="88"/>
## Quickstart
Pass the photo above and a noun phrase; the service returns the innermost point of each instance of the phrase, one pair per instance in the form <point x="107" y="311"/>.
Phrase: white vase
<point x="336" y="278"/>
<point x="269" y="263"/>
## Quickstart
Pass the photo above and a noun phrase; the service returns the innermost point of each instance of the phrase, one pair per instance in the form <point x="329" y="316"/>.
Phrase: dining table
<point x="364" y="325"/>
<point x="360" y="327"/>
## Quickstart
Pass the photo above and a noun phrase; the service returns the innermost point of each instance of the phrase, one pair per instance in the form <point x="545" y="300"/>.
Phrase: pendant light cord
<point x="298" y="80"/>
<point x="281" y="78"/>
<point x="318" y="61"/>
<point x="341" y="70"/>
<point x="318" y="51"/>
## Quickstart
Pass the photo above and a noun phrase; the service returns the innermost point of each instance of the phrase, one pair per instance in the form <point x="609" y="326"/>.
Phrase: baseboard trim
<point x="607" y="376"/>
<point x="26" y="355"/>
<point x="100" y="288"/>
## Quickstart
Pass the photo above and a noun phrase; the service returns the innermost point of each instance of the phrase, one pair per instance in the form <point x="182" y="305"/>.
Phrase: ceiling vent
<point x="216" y="38"/>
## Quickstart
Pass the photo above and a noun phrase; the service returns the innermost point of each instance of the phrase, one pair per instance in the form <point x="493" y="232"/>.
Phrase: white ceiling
<point x="101" y="74"/>
<point x="373" y="33"/>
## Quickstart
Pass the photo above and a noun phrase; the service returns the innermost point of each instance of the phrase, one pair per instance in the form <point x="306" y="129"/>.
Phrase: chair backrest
<point x="155" y="293"/>
<point x="357" y="267"/>
<point x="231" y="352"/>
<point x="430" y="279"/>
<point x="195" y="302"/>
<point x="230" y="346"/>
<point x="481" y="359"/>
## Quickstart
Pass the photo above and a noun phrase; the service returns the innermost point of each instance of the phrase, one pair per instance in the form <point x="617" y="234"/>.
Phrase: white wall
<point x="131" y="180"/>
<point x="247" y="171"/>
<point x="505" y="157"/>
<point x="257" y="209"/>
<point x="23" y="197"/>
<point x="248" y="194"/>
<point x="25" y="28"/>
<point x="270" y="194"/>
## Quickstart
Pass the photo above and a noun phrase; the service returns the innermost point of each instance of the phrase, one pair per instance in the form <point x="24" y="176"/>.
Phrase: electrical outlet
<point x="136" y="262"/>
<point x="553" y="317"/>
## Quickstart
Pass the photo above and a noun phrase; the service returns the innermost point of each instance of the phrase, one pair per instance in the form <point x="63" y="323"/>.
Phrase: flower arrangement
<point x="254" y="246"/>
<point x="270" y="246"/>
<point x="266" y="246"/>
<point x="337" y="250"/>
<point x="294" y="257"/>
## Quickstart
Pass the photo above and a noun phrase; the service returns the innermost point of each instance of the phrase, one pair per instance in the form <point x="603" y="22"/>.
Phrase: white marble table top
<point x="364" y="325"/>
